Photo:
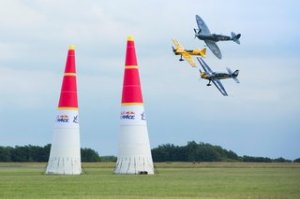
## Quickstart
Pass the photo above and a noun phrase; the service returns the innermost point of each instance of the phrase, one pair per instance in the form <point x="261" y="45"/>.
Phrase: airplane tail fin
<point x="234" y="75"/>
<point x="203" y="52"/>
<point x="235" y="37"/>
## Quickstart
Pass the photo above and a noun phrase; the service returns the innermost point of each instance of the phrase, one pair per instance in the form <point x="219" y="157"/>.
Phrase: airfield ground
<point x="172" y="180"/>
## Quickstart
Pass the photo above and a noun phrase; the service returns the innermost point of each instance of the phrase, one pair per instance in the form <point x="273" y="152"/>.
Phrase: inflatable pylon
<point x="134" y="153"/>
<point x="65" y="149"/>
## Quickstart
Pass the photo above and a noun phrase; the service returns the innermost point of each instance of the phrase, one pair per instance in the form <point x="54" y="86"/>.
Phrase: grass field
<point x="172" y="180"/>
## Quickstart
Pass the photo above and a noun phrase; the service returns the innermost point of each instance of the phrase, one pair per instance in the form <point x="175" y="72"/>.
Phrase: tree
<point x="5" y="154"/>
<point x="297" y="160"/>
<point x="256" y="159"/>
<point x="108" y="158"/>
<point x="30" y="153"/>
<point x="281" y="159"/>
<point x="192" y="152"/>
<point x="89" y="155"/>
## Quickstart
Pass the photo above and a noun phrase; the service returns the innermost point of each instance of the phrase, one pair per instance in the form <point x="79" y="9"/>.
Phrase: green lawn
<point x="173" y="180"/>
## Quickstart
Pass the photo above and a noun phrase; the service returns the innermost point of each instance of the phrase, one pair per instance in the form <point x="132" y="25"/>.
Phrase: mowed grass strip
<point x="184" y="180"/>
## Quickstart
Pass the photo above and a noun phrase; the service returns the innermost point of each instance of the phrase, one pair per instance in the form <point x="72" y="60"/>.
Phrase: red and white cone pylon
<point x="65" y="149"/>
<point x="134" y="153"/>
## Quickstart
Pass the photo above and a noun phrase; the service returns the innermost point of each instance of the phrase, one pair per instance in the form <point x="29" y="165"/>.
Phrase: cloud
<point x="34" y="39"/>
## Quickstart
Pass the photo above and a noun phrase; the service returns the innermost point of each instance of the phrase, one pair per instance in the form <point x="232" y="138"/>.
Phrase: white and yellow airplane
<point x="215" y="77"/>
<point x="187" y="54"/>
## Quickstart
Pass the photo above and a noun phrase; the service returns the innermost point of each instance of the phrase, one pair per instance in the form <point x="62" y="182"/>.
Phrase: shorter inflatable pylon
<point x="65" y="149"/>
<point x="134" y="153"/>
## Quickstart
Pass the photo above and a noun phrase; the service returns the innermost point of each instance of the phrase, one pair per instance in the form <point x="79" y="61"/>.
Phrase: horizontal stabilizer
<point x="203" y="52"/>
<point x="235" y="37"/>
<point x="236" y="80"/>
<point x="233" y="74"/>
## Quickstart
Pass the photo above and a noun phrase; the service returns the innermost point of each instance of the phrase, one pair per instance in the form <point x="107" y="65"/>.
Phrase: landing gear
<point x="181" y="59"/>
<point x="208" y="83"/>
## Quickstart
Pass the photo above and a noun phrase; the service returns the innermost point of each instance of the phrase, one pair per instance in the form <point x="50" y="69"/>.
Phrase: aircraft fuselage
<point x="214" y="37"/>
<point x="215" y="76"/>
<point x="191" y="52"/>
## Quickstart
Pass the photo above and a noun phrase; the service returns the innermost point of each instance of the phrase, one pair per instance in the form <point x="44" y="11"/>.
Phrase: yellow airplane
<point x="187" y="54"/>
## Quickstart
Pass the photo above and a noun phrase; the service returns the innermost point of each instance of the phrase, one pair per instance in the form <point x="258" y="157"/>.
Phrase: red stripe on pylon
<point x="70" y="63"/>
<point x="132" y="92"/>
<point x="68" y="95"/>
<point x="130" y="59"/>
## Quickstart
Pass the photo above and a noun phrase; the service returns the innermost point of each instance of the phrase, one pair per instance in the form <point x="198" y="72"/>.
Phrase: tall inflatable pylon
<point x="134" y="153"/>
<point x="65" y="149"/>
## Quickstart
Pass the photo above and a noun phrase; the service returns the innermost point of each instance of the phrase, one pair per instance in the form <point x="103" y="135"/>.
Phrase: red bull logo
<point x="62" y="118"/>
<point x="129" y="115"/>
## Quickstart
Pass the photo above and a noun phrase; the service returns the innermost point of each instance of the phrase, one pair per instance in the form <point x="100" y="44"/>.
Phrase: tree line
<point x="204" y="152"/>
<point x="30" y="153"/>
<point x="191" y="152"/>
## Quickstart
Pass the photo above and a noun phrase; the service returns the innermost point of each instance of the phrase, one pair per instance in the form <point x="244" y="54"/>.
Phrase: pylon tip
<point x="130" y="38"/>
<point x="72" y="47"/>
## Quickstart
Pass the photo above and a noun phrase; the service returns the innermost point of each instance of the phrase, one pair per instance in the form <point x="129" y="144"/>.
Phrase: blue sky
<point x="260" y="117"/>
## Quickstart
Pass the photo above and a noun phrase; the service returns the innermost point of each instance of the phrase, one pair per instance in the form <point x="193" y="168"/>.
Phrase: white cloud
<point x="35" y="35"/>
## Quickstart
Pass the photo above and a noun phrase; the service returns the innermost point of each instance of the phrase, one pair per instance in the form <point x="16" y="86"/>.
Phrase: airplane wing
<point x="214" y="48"/>
<point x="202" y="26"/>
<point x="205" y="67"/>
<point x="219" y="86"/>
<point x="189" y="58"/>
<point x="177" y="44"/>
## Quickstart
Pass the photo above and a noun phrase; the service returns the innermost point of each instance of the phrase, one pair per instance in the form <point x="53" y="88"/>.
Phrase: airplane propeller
<point x="196" y="32"/>
<point x="200" y="74"/>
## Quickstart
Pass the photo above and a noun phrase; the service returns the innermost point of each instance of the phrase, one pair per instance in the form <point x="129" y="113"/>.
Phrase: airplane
<point x="210" y="40"/>
<point x="216" y="77"/>
<point x="187" y="54"/>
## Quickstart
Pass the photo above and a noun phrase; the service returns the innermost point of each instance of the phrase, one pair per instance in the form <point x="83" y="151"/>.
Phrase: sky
<point x="260" y="117"/>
